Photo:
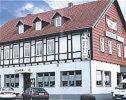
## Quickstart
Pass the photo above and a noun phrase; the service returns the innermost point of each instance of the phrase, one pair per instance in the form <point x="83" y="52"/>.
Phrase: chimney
<point x="70" y="4"/>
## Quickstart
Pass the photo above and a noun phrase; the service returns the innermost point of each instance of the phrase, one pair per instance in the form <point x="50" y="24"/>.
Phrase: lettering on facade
<point x="114" y="36"/>
<point x="84" y="40"/>
<point x="111" y="24"/>
<point x="23" y="71"/>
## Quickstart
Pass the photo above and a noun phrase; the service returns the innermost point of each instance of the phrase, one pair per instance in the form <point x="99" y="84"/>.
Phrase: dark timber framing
<point x="44" y="39"/>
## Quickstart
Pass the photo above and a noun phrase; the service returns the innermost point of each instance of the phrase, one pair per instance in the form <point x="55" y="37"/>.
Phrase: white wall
<point x="113" y="68"/>
<point x="83" y="65"/>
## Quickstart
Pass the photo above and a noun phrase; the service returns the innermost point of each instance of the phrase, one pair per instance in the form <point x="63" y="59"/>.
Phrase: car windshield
<point x="7" y="89"/>
<point x="122" y="86"/>
<point x="38" y="90"/>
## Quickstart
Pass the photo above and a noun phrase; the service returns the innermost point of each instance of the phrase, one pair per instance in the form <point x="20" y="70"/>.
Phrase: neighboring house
<point x="80" y="49"/>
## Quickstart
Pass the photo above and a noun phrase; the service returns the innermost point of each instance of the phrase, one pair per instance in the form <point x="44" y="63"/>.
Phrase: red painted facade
<point x="100" y="29"/>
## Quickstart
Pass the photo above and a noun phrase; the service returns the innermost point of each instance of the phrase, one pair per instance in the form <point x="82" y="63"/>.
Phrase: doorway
<point x="27" y="82"/>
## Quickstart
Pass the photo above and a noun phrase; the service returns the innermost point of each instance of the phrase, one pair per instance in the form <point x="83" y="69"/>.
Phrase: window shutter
<point x="110" y="47"/>
<point x="102" y="44"/>
<point x="119" y="50"/>
<point x="125" y="52"/>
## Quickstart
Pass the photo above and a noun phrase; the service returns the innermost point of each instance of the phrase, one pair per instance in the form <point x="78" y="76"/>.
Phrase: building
<point x="80" y="49"/>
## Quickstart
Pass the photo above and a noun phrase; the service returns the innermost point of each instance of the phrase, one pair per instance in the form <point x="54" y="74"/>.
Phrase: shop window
<point x="107" y="78"/>
<point x="71" y="78"/>
<point x="103" y="78"/>
<point x="46" y="79"/>
<point x="99" y="78"/>
<point x="11" y="80"/>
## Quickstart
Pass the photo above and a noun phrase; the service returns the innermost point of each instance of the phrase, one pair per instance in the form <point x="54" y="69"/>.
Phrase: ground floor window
<point x="11" y="80"/>
<point x="46" y="79"/>
<point x="71" y="78"/>
<point x="0" y="80"/>
<point x="99" y="80"/>
<point x="103" y="78"/>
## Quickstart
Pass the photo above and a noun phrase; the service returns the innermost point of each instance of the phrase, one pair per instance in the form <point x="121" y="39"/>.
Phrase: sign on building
<point x="84" y="40"/>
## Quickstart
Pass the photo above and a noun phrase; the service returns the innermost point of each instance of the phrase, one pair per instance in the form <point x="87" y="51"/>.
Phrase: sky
<point x="10" y="9"/>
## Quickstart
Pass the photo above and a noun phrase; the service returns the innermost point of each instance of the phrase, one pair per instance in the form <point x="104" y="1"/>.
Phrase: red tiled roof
<point x="81" y="16"/>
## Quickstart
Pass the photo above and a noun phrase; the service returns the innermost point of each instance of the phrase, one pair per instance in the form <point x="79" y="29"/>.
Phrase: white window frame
<point x="58" y="21"/>
<point x="99" y="77"/>
<point x="26" y="49"/>
<point x="119" y="50"/>
<point x="50" y="46"/>
<point x="107" y="78"/>
<point x="110" y="46"/>
<point x="21" y="28"/>
<point x="38" y="25"/>
<point x="102" y="44"/>
<point x="6" y="52"/>
<point x="39" y="48"/>
<point x="125" y="52"/>
<point x="15" y="51"/>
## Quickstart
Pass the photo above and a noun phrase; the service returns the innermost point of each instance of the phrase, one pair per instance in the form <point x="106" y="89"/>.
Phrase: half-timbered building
<point x="80" y="49"/>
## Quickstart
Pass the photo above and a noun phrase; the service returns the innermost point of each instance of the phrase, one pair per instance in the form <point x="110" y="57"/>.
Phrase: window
<point x="99" y="75"/>
<point x="15" y="51"/>
<point x="103" y="78"/>
<point x="119" y="50"/>
<point x="124" y="51"/>
<point x="46" y="79"/>
<point x="6" y="52"/>
<point x="38" y="25"/>
<point x="107" y="78"/>
<point x="0" y="53"/>
<point x="102" y="44"/>
<point x="21" y="29"/>
<point x="11" y="80"/>
<point x="58" y="21"/>
<point x="110" y="47"/>
<point x="50" y="46"/>
<point x="0" y="80"/>
<point x="39" y="48"/>
<point x="71" y="78"/>
<point x="27" y="50"/>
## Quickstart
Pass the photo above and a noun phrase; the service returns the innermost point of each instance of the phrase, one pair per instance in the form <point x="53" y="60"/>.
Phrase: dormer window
<point x="58" y="21"/>
<point x="21" y="29"/>
<point x="38" y="25"/>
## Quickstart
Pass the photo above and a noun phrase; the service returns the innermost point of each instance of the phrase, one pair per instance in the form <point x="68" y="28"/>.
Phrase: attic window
<point x="38" y="25"/>
<point x="58" y="21"/>
<point x="21" y="28"/>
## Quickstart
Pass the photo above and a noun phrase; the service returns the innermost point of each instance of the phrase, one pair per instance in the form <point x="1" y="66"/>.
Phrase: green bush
<point x="87" y="97"/>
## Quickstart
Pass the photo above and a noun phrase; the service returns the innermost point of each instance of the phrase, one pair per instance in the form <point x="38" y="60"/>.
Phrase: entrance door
<point x="27" y="82"/>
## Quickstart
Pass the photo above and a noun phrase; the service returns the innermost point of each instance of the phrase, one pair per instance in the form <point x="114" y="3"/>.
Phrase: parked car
<point x="120" y="92"/>
<point x="35" y="93"/>
<point x="7" y="93"/>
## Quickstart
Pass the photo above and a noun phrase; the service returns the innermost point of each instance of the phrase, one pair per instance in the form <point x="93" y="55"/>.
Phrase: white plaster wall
<point x="83" y="65"/>
<point x="97" y="65"/>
